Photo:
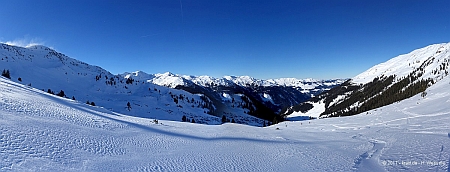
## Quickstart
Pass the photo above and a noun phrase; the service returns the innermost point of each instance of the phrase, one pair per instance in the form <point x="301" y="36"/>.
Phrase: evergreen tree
<point x="87" y="102"/>
<point x="61" y="94"/>
<point x="6" y="74"/>
<point x="19" y="79"/>
<point x="193" y="120"/>
<point x="92" y="103"/>
<point x="232" y="121"/>
<point x="129" y="80"/>
<point x="73" y="97"/>
<point x="183" y="118"/>
<point x="224" y="119"/>
<point x="275" y="120"/>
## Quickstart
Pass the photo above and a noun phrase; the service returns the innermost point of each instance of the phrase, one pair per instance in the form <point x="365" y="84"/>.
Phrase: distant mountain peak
<point x="163" y="95"/>
<point x="38" y="46"/>
<point x="166" y="74"/>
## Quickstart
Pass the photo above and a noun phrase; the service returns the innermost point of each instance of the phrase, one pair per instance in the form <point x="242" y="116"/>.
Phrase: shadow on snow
<point x="85" y="108"/>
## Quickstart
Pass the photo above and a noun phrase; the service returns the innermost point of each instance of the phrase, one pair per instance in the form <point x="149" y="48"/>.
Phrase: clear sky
<point x="264" y="39"/>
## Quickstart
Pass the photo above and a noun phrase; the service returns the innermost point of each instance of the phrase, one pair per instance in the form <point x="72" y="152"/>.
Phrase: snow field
<point x="42" y="132"/>
<point x="414" y="60"/>
<point x="319" y="107"/>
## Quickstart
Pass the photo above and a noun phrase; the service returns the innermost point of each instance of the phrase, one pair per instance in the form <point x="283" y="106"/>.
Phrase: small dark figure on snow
<point x="129" y="106"/>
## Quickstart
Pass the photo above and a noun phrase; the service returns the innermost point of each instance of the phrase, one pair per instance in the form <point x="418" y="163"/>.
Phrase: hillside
<point x="386" y="83"/>
<point x="165" y="96"/>
<point x="260" y="98"/>
<point x="44" y="132"/>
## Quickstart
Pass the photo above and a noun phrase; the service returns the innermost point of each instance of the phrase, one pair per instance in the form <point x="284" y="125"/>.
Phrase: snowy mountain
<point x="266" y="97"/>
<point x="163" y="96"/>
<point x="386" y="83"/>
<point x="168" y="79"/>
<point x="43" y="132"/>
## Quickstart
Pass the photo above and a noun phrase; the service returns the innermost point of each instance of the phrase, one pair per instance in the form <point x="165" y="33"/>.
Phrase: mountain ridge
<point x="164" y="96"/>
<point x="205" y="80"/>
<point x="394" y="80"/>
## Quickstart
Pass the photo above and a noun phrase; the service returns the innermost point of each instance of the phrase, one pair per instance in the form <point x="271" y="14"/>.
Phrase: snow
<point x="150" y="95"/>
<point x="404" y="64"/>
<point x="306" y="84"/>
<point x="226" y="97"/>
<point x="315" y="112"/>
<point x="292" y="82"/>
<point x="430" y="62"/>
<point x="207" y="80"/>
<point x="266" y="97"/>
<point x="139" y="75"/>
<point x="339" y="98"/>
<point x="168" y="79"/>
<point x="42" y="132"/>
<point x="172" y="80"/>
<point x="48" y="69"/>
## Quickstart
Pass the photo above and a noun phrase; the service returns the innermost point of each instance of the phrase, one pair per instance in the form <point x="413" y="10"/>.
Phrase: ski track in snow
<point x="369" y="161"/>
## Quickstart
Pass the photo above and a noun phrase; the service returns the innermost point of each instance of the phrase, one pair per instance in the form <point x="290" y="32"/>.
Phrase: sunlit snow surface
<point x="161" y="96"/>
<point x="315" y="112"/>
<point x="403" y="65"/>
<point x="41" y="132"/>
<point x="431" y="61"/>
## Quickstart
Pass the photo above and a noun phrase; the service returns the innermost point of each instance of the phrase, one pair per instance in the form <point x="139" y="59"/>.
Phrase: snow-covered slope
<point x="283" y="92"/>
<point x="398" y="78"/>
<point x="164" y="96"/>
<point x="43" y="132"/>
<point x="48" y="70"/>
<point x="430" y="58"/>
<point x="41" y="67"/>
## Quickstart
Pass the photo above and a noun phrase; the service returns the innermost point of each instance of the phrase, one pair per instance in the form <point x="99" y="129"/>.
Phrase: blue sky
<point x="264" y="39"/>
